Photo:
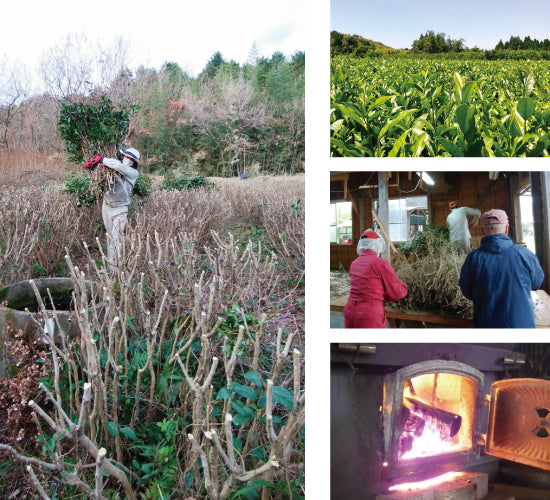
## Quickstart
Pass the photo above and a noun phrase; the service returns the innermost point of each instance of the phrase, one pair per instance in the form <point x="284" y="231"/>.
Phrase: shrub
<point x="182" y="182"/>
<point x="194" y="372"/>
<point x="83" y="188"/>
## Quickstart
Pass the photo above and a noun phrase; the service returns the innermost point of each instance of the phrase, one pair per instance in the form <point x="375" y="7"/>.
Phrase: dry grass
<point x="432" y="278"/>
<point x="40" y="223"/>
<point x="26" y="168"/>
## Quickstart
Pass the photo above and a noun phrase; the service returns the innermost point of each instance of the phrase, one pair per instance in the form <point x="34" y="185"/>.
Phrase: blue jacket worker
<point x="499" y="276"/>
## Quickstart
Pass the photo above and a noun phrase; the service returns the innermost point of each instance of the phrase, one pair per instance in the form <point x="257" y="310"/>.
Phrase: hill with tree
<point x="230" y="119"/>
<point x="437" y="44"/>
<point x="355" y="45"/>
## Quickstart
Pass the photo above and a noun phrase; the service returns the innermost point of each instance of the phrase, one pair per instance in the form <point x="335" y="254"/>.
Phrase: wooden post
<point x="383" y="208"/>
<point x="385" y="233"/>
<point x="540" y="191"/>
<point x="361" y="212"/>
<point x="514" y="231"/>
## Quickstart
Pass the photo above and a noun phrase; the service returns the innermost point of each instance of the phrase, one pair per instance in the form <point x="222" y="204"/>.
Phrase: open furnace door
<point x="518" y="427"/>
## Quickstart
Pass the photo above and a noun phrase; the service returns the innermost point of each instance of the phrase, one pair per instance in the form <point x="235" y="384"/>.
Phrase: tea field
<point x="417" y="107"/>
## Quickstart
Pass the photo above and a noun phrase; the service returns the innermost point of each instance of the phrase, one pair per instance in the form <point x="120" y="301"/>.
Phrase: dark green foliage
<point x="423" y="241"/>
<point x="182" y="182"/>
<point x="92" y="127"/>
<point x="516" y="43"/>
<point x="213" y="65"/>
<point x="434" y="44"/>
<point x="81" y="186"/>
<point x="355" y="45"/>
<point x="142" y="187"/>
<point x="229" y="120"/>
<point x="87" y="191"/>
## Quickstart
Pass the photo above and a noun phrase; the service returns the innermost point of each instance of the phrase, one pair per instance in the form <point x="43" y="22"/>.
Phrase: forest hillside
<point x="229" y="120"/>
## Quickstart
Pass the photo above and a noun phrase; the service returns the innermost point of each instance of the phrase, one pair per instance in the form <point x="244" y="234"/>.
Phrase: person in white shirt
<point x="459" y="221"/>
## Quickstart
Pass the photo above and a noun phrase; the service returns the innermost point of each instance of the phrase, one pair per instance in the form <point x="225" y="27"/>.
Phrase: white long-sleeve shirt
<point x="457" y="222"/>
<point x="118" y="195"/>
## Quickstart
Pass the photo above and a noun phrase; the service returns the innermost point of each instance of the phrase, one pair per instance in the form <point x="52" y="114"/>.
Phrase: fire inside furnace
<point x="437" y="415"/>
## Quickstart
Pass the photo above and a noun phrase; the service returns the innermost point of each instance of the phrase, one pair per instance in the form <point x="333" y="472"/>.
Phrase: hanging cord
<point x="412" y="190"/>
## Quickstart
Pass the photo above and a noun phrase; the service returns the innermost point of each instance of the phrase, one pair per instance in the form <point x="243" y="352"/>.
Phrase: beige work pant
<point x="115" y="219"/>
<point x="460" y="246"/>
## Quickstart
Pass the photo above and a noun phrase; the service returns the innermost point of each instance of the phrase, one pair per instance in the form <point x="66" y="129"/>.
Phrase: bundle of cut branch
<point x="432" y="277"/>
<point x="104" y="176"/>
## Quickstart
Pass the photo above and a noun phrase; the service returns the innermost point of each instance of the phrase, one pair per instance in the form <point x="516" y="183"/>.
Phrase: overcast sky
<point x="188" y="33"/>
<point x="482" y="23"/>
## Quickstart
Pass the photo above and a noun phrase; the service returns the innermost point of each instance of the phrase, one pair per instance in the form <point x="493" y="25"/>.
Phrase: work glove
<point x="92" y="162"/>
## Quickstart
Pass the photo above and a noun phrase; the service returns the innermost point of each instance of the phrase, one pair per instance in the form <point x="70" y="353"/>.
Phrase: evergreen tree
<point x="213" y="65"/>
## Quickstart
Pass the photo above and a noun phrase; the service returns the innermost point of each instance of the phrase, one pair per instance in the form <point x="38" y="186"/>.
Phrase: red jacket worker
<point x="373" y="280"/>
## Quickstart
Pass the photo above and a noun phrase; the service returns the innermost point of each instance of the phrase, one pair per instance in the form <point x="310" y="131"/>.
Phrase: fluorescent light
<point x="426" y="178"/>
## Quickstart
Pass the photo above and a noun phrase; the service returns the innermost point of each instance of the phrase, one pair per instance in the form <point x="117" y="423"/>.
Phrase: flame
<point x="428" y="483"/>
<point x="430" y="443"/>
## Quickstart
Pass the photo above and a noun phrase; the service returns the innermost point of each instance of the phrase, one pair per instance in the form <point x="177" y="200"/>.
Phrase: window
<point x="340" y="222"/>
<point x="527" y="220"/>
<point x="407" y="216"/>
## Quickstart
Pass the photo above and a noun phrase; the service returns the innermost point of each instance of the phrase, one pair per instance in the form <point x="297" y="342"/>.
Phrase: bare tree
<point x="112" y="61"/>
<point x="67" y="69"/>
<point x="231" y="101"/>
<point x="14" y="84"/>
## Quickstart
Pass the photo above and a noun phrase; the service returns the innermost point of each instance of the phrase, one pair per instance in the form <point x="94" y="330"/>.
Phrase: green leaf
<point x="398" y="145"/>
<point x="467" y="91"/>
<point x="254" y="377"/>
<point x="526" y="107"/>
<point x="420" y="144"/>
<point x="465" y="117"/>
<point x="381" y="100"/>
<point x="112" y="428"/>
<point x="448" y="146"/>
<point x="399" y="118"/>
<point x="244" y="412"/>
<point x="283" y="396"/>
<point x="437" y="91"/>
<point x="129" y="433"/>
<point x="223" y="393"/>
<point x="337" y="125"/>
<point x="244" y="391"/>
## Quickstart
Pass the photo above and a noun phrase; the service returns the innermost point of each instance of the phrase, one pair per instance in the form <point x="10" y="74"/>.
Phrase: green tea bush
<point x="82" y="187"/>
<point x="417" y="107"/>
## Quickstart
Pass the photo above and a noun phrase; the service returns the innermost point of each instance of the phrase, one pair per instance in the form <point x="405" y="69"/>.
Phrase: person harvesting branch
<point x="116" y="198"/>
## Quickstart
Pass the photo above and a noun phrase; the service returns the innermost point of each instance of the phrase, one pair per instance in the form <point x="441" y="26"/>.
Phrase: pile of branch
<point x="432" y="277"/>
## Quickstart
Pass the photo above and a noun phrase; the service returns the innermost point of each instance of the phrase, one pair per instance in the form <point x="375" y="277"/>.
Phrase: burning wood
<point x="445" y="423"/>
<point x="426" y="429"/>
